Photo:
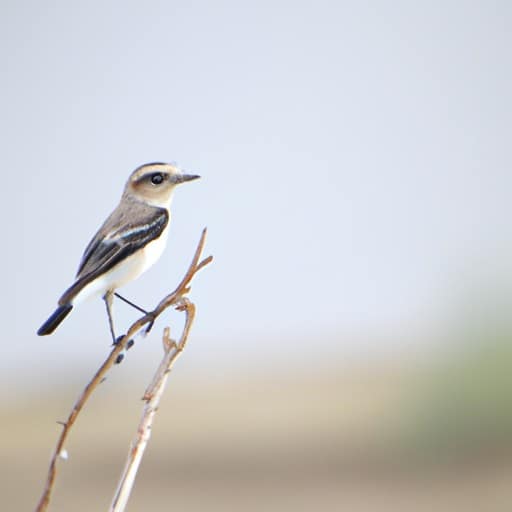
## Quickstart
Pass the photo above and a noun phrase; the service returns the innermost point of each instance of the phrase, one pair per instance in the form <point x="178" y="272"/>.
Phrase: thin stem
<point x="152" y="396"/>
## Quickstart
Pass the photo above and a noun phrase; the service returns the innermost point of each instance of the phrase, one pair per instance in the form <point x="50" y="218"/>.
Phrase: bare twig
<point x="173" y="299"/>
<point x="152" y="398"/>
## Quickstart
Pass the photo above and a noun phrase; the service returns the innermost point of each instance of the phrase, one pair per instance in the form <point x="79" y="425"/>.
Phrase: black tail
<point x="55" y="319"/>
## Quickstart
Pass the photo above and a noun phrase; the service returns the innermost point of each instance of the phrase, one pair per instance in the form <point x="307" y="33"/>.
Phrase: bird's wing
<point x="122" y="234"/>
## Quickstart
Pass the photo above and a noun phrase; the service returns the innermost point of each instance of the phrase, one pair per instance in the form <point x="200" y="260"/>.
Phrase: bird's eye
<point x="157" y="178"/>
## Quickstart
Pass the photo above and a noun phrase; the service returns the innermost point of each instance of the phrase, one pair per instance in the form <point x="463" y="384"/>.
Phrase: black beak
<point x="182" y="178"/>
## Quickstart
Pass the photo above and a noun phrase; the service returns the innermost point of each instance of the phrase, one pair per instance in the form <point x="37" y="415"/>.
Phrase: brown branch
<point x="152" y="396"/>
<point x="173" y="299"/>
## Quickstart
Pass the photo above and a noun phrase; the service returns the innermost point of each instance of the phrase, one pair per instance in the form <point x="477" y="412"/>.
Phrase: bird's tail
<point x="55" y="319"/>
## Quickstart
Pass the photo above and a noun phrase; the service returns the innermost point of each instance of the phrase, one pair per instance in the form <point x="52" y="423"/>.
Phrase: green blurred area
<point x="422" y="432"/>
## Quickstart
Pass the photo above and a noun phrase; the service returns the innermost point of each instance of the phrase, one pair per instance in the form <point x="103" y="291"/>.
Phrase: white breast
<point x="154" y="250"/>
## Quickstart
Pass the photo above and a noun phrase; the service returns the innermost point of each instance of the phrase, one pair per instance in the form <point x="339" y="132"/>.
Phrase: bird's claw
<point x="118" y="340"/>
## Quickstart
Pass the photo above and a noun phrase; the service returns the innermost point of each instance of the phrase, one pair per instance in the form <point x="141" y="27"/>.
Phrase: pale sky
<point x="356" y="163"/>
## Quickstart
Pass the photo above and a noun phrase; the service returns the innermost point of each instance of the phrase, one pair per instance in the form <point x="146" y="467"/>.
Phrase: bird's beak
<point x="182" y="178"/>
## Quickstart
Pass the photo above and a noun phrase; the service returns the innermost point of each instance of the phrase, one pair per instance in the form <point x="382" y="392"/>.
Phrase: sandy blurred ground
<point x="414" y="434"/>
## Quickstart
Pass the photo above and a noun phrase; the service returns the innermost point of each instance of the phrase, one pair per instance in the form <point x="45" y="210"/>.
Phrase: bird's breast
<point x="153" y="250"/>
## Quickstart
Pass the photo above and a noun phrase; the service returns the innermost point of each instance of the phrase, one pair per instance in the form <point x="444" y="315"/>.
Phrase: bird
<point x="132" y="239"/>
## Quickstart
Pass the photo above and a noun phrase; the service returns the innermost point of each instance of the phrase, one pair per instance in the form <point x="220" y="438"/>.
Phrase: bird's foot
<point x="128" y="346"/>
<point x="117" y="340"/>
<point x="152" y="316"/>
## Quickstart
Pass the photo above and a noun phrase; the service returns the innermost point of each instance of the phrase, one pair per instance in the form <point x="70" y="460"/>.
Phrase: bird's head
<point x="154" y="183"/>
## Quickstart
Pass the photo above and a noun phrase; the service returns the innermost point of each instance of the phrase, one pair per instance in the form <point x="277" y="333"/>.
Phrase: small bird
<point x="131" y="240"/>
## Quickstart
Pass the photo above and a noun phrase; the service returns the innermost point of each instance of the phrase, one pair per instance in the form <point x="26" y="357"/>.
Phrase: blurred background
<point x="353" y="344"/>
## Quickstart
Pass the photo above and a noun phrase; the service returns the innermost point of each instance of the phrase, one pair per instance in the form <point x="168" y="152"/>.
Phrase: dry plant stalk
<point x="152" y="398"/>
<point x="176" y="299"/>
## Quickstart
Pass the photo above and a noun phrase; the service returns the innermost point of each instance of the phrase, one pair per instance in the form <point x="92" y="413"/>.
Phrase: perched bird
<point x="131" y="239"/>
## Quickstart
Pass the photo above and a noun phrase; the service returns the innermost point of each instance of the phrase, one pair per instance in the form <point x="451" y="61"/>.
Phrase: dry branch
<point x="152" y="398"/>
<point x="176" y="299"/>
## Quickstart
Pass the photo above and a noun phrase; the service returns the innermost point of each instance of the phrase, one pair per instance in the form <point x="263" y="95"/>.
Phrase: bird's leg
<point x="108" y="298"/>
<point x="138" y="308"/>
